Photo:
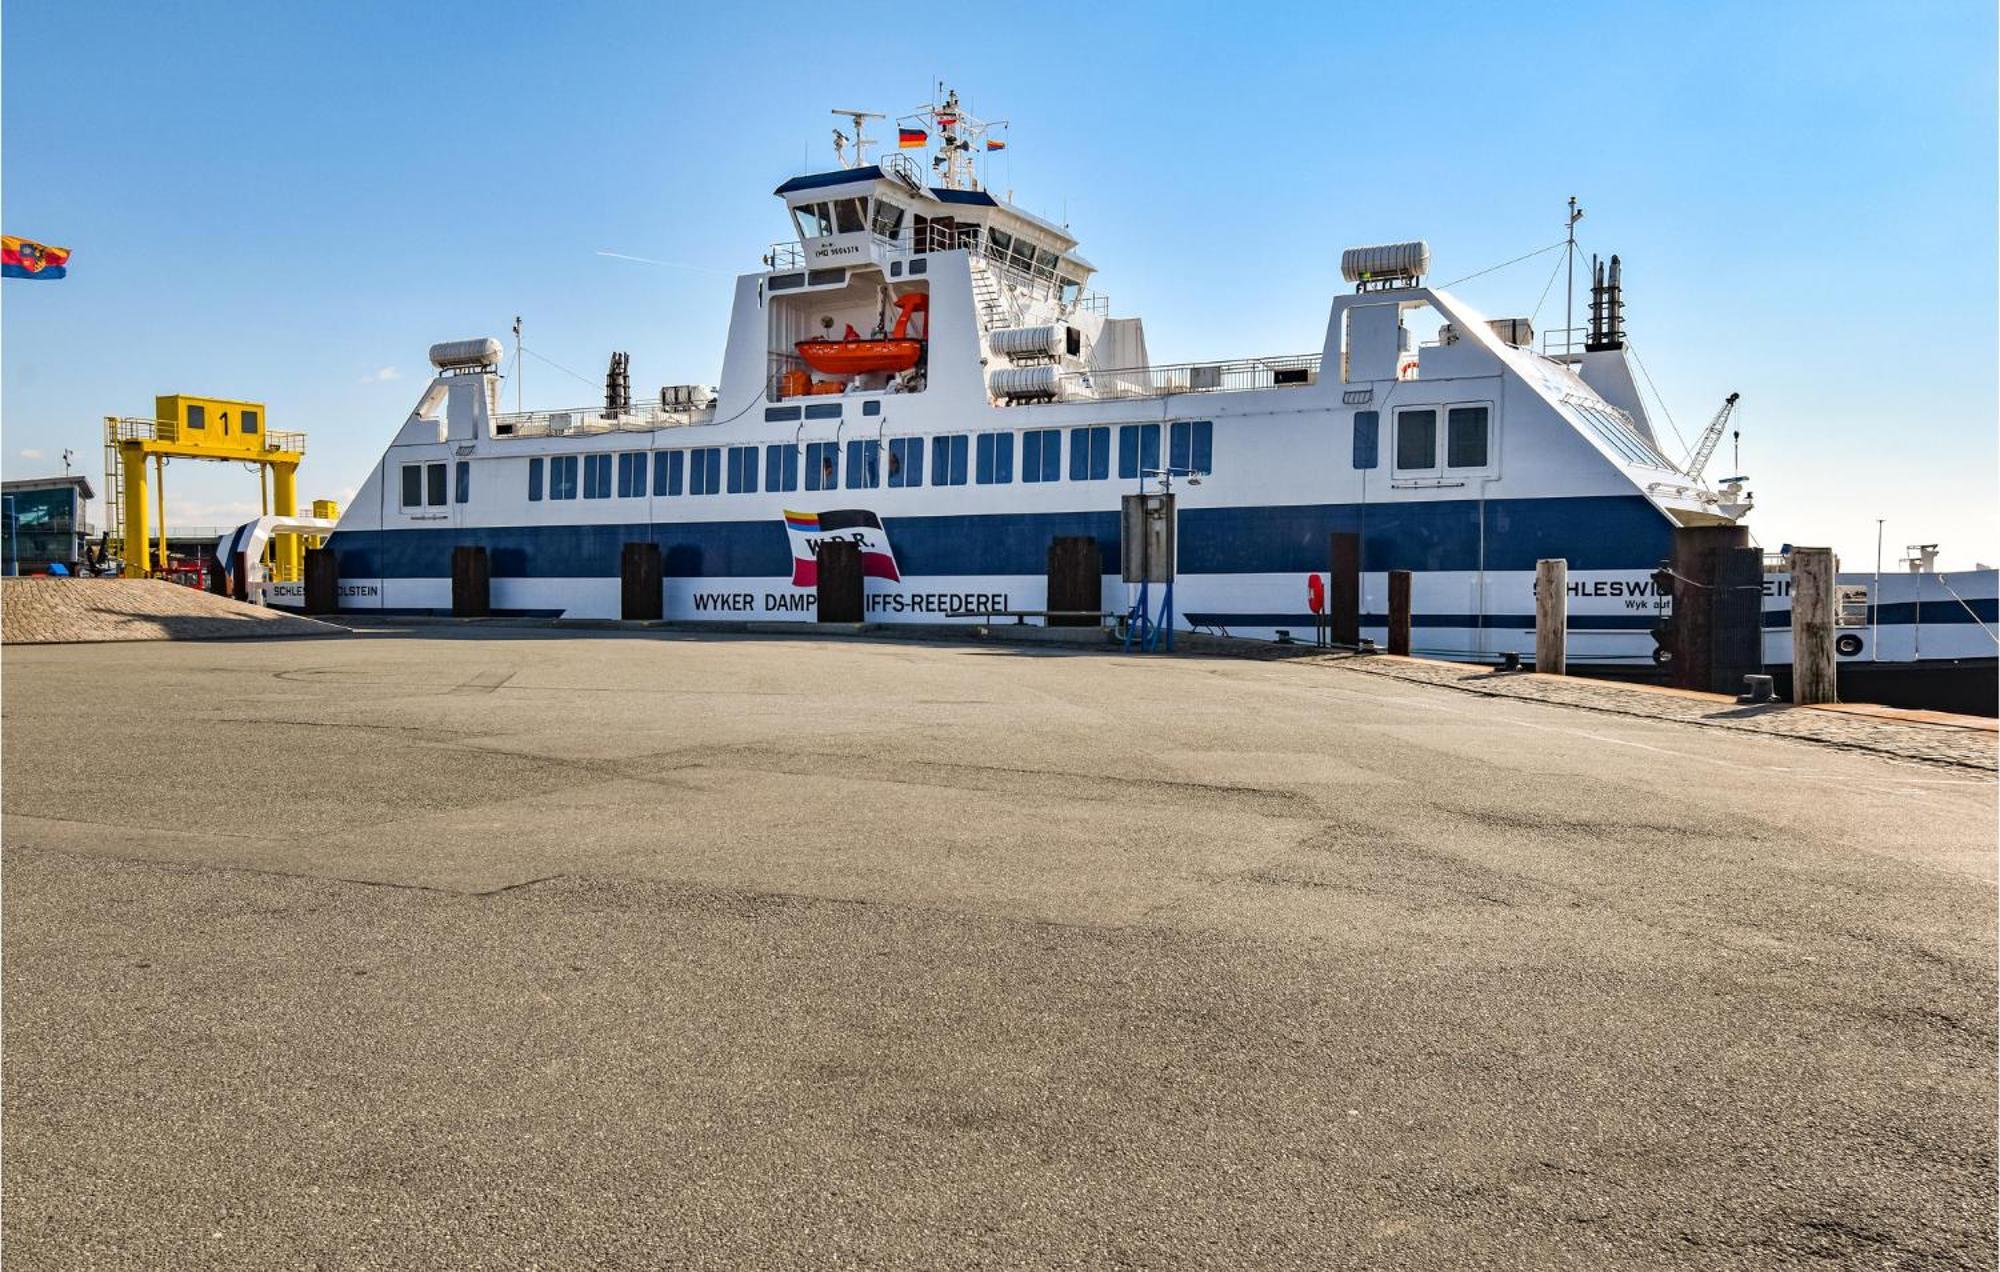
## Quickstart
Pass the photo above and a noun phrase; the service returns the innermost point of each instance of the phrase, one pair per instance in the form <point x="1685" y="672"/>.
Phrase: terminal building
<point x="47" y="523"/>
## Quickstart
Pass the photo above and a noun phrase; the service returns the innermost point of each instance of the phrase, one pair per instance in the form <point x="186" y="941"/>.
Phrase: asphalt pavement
<point x="456" y="949"/>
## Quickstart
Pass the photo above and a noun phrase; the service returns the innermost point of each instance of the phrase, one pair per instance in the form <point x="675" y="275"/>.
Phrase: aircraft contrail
<point x="647" y="260"/>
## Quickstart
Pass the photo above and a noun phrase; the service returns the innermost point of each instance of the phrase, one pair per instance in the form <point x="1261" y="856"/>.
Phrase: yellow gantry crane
<point x="187" y="427"/>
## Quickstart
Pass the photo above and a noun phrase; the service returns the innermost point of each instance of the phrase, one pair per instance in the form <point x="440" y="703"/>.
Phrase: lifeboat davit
<point x="855" y="356"/>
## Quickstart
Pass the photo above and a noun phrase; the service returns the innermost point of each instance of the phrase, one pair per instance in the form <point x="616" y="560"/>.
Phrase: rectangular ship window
<point x="434" y="485"/>
<point x="822" y="465"/>
<point x="668" y="469"/>
<point x="1138" y="449"/>
<point x="1089" y="454"/>
<point x="781" y="466"/>
<point x="1041" y="454"/>
<point x="864" y="464"/>
<point x="743" y="470"/>
<point x="1465" y="437"/>
<point x="1191" y="447"/>
<point x="1416" y="440"/>
<point x="996" y="459"/>
<point x="413" y="486"/>
<point x="562" y="477"/>
<point x="1367" y="439"/>
<point x="632" y="474"/>
<point x="597" y="476"/>
<point x="906" y="461"/>
<point x="535" y="480"/>
<point x="948" y="460"/>
<point x="706" y="479"/>
<point x="463" y="478"/>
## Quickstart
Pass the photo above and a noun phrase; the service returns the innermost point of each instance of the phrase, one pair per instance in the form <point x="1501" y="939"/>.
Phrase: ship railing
<point x="134" y="429"/>
<point x="1028" y="276"/>
<point x="1564" y="344"/>
<point x="584" y="421"/>
<point x="1235" y="376"/>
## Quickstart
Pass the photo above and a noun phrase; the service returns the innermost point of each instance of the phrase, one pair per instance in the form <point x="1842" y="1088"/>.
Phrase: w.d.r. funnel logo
<point x="808" y="530"/>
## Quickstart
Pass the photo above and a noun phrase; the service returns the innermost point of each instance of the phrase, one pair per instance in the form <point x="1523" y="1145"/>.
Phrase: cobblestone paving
<point x="67" y="611"/>
<point x="1972" y="744"/>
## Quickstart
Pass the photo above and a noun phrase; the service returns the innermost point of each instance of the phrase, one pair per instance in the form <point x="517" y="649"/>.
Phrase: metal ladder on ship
<point x="987" y="295"/>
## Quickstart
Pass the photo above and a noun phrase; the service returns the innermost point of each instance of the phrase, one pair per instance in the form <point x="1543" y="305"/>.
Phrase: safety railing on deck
<point x="1193" y="377"/>
<point x="138" y="430"/>
<point x="580" y="421"/>
<point x="1024" y="272"/>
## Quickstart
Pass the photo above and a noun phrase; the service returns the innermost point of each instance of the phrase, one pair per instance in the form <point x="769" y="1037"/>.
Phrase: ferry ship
<point x="928" y="369"/>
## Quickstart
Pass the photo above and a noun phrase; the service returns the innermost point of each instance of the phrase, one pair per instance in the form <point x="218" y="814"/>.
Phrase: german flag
<point x="911" y="138"/>
<point x="25" y="258"/>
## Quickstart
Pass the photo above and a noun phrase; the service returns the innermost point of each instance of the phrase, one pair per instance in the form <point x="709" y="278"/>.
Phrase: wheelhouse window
<point x="906" y="461"/>
<point x="815" y="220"/>
<point x="413" y="486"/>
<point x="1465" y="443"/>
<point x="1416" y="440"/>
<point x="434" y="485"/>
<point x="888" y="222"/>
<point x="850" y="216"/>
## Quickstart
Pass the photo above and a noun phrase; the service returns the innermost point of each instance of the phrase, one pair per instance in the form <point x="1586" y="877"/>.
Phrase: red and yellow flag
<point x="25" y="258"/>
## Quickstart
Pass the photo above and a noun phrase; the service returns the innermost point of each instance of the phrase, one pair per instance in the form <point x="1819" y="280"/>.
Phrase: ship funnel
<point x="1386" y="266"/>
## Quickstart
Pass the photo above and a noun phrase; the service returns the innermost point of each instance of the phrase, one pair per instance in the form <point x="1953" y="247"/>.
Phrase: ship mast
<point x="960" y="137"/>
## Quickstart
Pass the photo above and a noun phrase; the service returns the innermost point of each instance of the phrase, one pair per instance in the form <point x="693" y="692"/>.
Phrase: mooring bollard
<point x="1552" y="616"/>
<point x="1399" y="612"/>
<point x="1814" y="661"/>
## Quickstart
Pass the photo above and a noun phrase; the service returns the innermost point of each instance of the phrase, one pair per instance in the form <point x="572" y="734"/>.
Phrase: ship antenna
<point x="518" y="368"/>
<point x="1569" y="294"/>
<point x="861" y="139"/>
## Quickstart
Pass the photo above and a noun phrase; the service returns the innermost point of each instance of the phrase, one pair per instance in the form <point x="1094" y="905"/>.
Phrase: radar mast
<point x="961" y="138"/>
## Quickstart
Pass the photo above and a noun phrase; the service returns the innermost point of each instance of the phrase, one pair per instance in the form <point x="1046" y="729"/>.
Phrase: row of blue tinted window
<point x="706" y="470"/>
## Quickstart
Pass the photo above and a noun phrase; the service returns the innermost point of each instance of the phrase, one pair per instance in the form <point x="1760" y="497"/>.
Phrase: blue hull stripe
<point x="1598" y="533"/>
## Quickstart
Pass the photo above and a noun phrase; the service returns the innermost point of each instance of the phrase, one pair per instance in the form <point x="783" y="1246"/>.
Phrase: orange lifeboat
<point x="855" y="356"/>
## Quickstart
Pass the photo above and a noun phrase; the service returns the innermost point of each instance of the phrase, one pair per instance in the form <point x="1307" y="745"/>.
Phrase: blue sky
<point x="291" y="202"/>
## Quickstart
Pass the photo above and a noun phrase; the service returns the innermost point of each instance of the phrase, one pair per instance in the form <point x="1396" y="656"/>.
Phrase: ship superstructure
<point x="934" y="360"/>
